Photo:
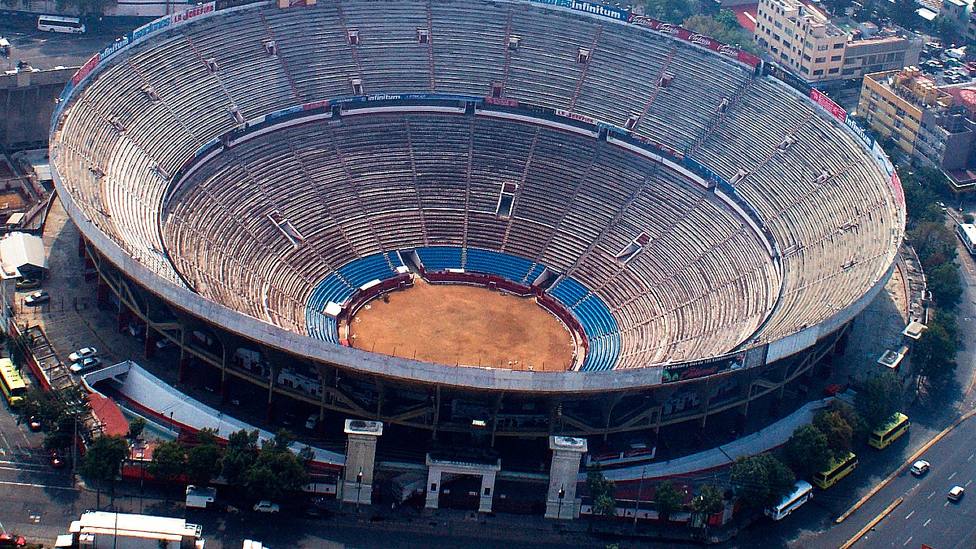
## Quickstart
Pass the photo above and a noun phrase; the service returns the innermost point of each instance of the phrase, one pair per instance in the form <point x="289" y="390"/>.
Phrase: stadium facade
<point x="244" y="176"/>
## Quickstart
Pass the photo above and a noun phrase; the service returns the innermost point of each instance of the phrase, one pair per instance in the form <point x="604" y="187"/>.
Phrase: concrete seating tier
<point x="369" y="185"/>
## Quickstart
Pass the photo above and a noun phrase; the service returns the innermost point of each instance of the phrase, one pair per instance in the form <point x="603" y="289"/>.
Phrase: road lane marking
<point x="946" y="504"/>
<point x="926" y="523"/>
<point x="970" y="458"/>
<point x="930" y="495"/>
<point x="872" y="523"/>
<point x="907" y="541"/>
<point x="909" y="515"/>
<point x="952" y="475"/>
<point x="32" y="485"/>
<point x="968" y="482"/>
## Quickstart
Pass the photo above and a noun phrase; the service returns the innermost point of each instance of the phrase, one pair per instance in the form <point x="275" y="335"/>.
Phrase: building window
<point x="833" y="70"/>
<point x="818" y="72"/>
<point x="835" y="58"/>
<point x="839" y="45"/>
<point x="820" y="60"/>
<point x="822" y="47"/>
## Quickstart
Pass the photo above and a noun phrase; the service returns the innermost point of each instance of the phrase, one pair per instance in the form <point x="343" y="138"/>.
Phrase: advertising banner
<point x="828" y="105"/>
<point x="859" y="132"/>
<point x="695" y="38"/>
<point x="897" y="190"/>
<point x="738" y="361"/>
<point x="86" y="69"/>
<point x="590" y="7"/>
<point x="192" y="13"/>
<point x="575" y="116"/>
<point x="882" y="159"/>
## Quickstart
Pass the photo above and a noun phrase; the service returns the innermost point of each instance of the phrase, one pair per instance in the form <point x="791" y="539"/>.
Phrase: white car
<point x="36" y="298"/>
<point x="84" y="365"/>
<point x="81" y="354"/>
<point x="956" y="493"/>
<point x="265" y="506"/>
<point x="920" y="467"/>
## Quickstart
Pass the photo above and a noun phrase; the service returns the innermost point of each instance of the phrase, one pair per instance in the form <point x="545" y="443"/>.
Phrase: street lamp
<point x="359" y="488"/>
<point x="561" y="495"/>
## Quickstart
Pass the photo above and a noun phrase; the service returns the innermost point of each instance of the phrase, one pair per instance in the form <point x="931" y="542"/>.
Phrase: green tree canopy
<point x="934" y="356"/>
<point x="203" y="462"/>
<point x="240" y="454"/>
<point x="945" y="285"/>
<point x="602" y="493"/>
<point x="761" y="480"/>
<point x="168" y="461"/>
<point x="56" y="410"/>
<point x="807" y="451"/>
<point x="136" y="427"/>
<point x="878" y="399"/>
<point x="708" y="501"/>
<point x="104" y="458"/>
<point x="837" y="431"/>
<point x="667" y="500"/>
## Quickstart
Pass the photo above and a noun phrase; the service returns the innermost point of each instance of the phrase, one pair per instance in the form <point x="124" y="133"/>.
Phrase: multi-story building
<point x="933" y="125"/>
<point x="805" y="41"/>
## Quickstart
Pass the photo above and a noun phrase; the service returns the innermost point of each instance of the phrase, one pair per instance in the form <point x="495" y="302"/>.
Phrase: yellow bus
<point x="896" y="426"/>
<point x="838" y="469"/>
<point x="11" y="383"/>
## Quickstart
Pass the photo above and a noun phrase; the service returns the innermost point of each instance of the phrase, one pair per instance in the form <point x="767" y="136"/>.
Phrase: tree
<point x="934" y="243"/>
<point x="878" y="399"/>
<point x="934" y="355"/>
<point x="602" y="494"/>
<point x="56" y="410"/>
<point x="667" y="500"/>
<point x="760" y="481"/>
<point x="723" y="27"/>
<point x="240" y="454"/>
<point x="103" y="461"/>
<point x="944" y="283"/>
<point x="671" y="11"/>
<point x="837" y="431"/>
<point x="708" y="501"/>
<point x="807" y="451"/>
<point x="168" y="461"/>
<point x="203" y="463"/>
<point x="136" y="427"/>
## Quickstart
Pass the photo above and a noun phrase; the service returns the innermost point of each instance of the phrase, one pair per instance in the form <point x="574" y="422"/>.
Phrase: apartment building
<point x="805" y="41"/>
<point x="933" y="125"/>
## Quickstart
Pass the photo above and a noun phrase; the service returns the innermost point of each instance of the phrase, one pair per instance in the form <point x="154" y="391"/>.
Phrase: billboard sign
<point x="730" y="363"/>
<point x="828" y="105"/>
<point x="192" y="13"/>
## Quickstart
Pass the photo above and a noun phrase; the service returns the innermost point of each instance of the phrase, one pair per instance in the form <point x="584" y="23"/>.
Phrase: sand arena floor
<point x="456" y="324"/>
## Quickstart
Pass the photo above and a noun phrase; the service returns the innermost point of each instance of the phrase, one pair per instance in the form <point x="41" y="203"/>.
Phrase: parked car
<point x="265" y="506"/>
<point x="85" y="365"/>
<point x="164" y="343"/>
<point x="37" y="298"/>
<point x="12" y="540"/>
<point x="956" y="493"/>
<point x="28" y="284"/>
<point x="920" y="467"/>
<point x="81" y="354"/>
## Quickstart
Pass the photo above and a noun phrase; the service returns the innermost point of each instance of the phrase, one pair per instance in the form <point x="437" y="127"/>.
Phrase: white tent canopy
<point x="20" y="250"/>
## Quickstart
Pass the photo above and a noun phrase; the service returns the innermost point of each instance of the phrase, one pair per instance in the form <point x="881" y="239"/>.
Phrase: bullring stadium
<point x="266" y="186"/>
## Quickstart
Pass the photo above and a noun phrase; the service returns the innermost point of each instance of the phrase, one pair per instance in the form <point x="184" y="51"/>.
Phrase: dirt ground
<point x="11" y="200"/>
<point x="467" y="325"/>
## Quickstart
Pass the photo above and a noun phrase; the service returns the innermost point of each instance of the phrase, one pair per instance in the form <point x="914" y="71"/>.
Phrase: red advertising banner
<point x="828" y="104"/>
<point x="896" y="188"/>
<point x="695" y="38"/>
<point x="86" y="68"/>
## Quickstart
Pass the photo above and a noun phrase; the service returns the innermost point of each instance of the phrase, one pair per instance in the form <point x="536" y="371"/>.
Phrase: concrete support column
<point x="357" y="475"/>
<point x="563" y="473"/>
<point x="433" y="487"/>
<point x="487" y="492"/>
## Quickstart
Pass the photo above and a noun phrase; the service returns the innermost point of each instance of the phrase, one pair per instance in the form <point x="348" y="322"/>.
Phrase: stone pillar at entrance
<point x="563" y="473"/>
<point x="357" y="475"/>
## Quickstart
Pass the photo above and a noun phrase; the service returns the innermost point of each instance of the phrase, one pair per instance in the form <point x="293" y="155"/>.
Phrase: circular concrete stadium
<point x="555" y="218"/>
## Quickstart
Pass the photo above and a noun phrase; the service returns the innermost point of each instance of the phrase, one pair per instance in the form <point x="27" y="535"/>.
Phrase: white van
<point x="57" y="23"/>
